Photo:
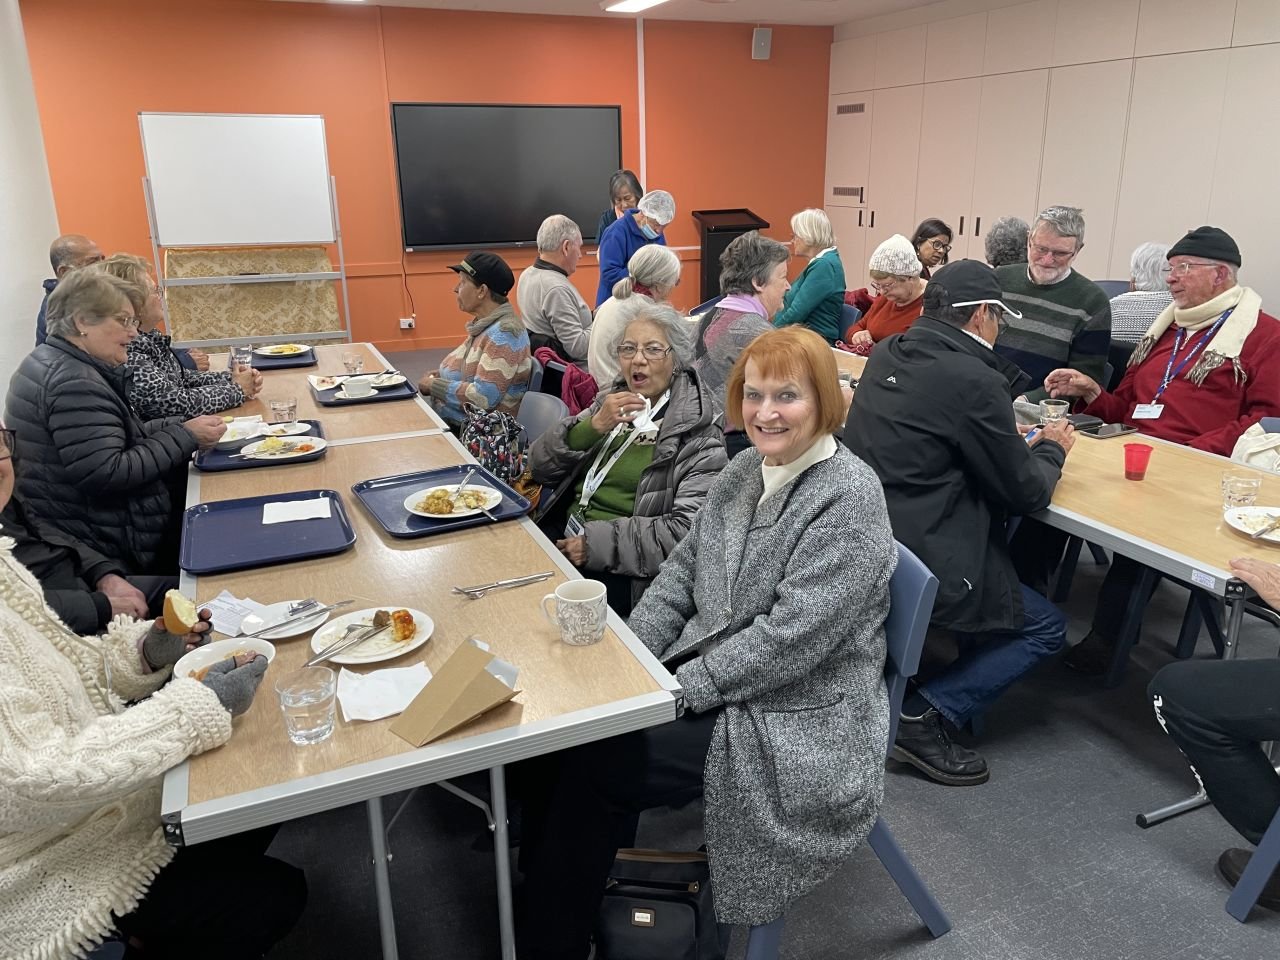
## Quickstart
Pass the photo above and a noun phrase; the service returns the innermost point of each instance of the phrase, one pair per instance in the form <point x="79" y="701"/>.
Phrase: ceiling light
<point x="628" y="6"/>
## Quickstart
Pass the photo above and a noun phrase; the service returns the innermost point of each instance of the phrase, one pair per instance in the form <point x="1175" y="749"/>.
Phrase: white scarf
<point x="1226" y="344"/>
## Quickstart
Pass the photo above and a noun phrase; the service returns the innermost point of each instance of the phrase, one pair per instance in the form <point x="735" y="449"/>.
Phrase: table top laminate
<point x="559" y="683"/>
<point x="849" y="363"/>
<point x="343" y="422"/>
<point x="1171" y="520"/>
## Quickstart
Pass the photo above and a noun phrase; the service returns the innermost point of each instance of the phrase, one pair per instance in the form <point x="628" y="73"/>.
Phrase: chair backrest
<point x="912" y="589"/>
<point x="1113" y="288"/>
<point x="704" y="307"/>
<point x="535" y="375"/>
<point x="1108" y="371"/>
<point x="539" y="412"/>
<point x="849" y="315"/>
<point x="1118" y="359"/>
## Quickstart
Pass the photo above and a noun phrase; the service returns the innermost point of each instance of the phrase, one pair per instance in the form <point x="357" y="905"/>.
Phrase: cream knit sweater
<point x="80" y="833"/>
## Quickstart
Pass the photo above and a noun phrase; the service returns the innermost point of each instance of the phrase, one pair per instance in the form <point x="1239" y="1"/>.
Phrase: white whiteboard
<point x="237" y="179"/>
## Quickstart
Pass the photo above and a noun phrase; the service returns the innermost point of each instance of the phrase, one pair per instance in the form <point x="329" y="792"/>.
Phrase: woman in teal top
<point x="816" y="298"/>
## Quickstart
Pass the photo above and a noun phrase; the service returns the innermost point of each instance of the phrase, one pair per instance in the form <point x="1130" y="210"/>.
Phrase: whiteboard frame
<point x="324" y="133"/>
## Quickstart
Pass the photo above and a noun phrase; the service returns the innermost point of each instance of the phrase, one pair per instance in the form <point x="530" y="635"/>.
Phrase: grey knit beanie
<point x="898" y="257"/>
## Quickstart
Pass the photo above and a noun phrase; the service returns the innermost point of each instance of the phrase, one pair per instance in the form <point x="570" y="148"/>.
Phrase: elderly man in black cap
<point x="490" y="370"/>
<point x="1206" y="370"/>
<point x="934" y="418"/>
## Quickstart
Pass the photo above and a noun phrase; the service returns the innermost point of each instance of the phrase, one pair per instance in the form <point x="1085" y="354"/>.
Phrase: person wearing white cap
<point x="933" y="419"/>
<point x="630" y="232"/>
<point x="895" y="277"/>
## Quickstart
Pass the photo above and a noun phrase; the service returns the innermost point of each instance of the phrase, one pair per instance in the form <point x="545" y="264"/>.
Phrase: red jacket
<point x="1208" y="417"/>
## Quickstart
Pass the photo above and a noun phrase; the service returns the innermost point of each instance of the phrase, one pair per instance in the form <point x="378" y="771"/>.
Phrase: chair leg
<point x="1209" y="610"/>
<point x="1131" y="627"/>
<point x="1189" y="634"/>
<point x="1261" y="866"/>
<point x="1067" y="570"/>
<point x="908" y="881"/>
<point x="764" y="941"/>
<point x="1099" y="555"/>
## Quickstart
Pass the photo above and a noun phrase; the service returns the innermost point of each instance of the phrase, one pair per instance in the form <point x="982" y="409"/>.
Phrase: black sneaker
<point x="1231" y="865"/>
<point x="1091" y="656"/>
<point x="924" y="743"/>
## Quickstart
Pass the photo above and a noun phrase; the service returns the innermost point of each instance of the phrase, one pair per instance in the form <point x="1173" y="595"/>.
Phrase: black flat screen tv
<point x="486" y="175"/>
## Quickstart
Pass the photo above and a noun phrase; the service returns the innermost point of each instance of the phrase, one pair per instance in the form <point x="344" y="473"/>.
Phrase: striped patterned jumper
<point x="1064" y="324"/>
<point x="490" y="369"/>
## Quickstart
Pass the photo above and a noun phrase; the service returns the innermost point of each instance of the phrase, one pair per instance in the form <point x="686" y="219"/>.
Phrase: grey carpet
<point x="1044" y="862"/>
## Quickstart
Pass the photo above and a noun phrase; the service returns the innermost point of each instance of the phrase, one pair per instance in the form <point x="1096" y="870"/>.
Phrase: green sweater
<point x="1064" y="324"/>
<point x="616" y="497"/>
<point x="816" y="299"/>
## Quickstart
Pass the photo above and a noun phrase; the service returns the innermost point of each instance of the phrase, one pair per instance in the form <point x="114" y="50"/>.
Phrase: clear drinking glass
<point x="1239" y="489"/>
<point x="241" y="357"/>
<point x="354" y="362"/>
<point x="307" y="701"/>
<point x="1051" y="410"/>
<point x="284" y="410"/>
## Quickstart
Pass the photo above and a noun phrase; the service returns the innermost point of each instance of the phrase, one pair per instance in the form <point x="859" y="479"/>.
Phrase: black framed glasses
<point x="652" y="351"/>
<point x="8" y="441"/>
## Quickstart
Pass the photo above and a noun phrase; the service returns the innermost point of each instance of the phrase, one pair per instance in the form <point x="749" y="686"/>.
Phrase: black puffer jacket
<point x="90" y="467"/>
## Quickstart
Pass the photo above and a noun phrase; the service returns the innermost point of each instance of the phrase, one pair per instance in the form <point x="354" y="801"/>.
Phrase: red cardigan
<point x="1208" y="417"/>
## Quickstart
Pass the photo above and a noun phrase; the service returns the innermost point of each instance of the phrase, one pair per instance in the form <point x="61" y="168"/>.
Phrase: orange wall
<point x="723" y="130"/>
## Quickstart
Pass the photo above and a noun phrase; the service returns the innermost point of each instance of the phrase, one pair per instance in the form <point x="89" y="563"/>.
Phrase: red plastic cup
<point x="1136" y="458"/>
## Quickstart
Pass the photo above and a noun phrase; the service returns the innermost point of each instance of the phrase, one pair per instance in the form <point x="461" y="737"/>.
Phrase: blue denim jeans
<point x="993" y="661"/>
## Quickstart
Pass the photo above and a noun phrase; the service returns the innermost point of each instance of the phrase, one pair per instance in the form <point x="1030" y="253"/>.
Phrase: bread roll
<point x="180" y="614"/>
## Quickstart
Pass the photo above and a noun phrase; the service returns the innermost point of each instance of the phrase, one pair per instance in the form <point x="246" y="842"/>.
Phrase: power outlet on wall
<point x="406" y="323"/>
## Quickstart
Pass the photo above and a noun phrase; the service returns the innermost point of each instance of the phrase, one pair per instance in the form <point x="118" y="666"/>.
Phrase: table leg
<point x="502" y="861"/>
<point x="381" y="878"/>
<point x="1231" y="637"/>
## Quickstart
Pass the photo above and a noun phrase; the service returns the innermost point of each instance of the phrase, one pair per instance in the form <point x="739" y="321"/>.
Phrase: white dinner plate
<point x="290" y="451"/>
<point x="278" y="611"/>
<point x="383" y="647"/>
<point x="492" y="499"/>
<point x="343" y="395"/>
<point x="281" y="350"/>
<point x="388" y="380"/>
<point x="326" y="383"/>
<point x="283" y="429"/>
<point x="1249" y="520"/>
<point x="237" y="435"/>
<point x="211" y="653"/>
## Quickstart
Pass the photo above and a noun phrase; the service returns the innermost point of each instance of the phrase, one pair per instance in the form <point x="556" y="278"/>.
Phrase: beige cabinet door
<point x="895" y="154"/>
<point x="848" y="148"/>
<point x="1257" y="21"/>
<point x="1083" y="146"/>
<point x="851" y="241"/>
<point x="954" y="48"/>
<point x="1167" y="179"/>
<point x="1089" y="31"/>
<point x="900" y="57"/>
<point x="853" y="65"/>
<point x="948" y="151"/>
<point x="1006" y="175"/>
<point x="1243" y="200"/>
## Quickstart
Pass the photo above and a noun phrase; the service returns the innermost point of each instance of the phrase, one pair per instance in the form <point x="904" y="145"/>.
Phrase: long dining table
<point x="568" y="695"/>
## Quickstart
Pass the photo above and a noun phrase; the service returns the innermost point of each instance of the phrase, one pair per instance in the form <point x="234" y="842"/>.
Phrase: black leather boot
<point x="924" y="743"/>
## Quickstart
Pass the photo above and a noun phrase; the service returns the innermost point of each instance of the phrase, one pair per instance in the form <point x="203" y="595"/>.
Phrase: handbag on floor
<point x="657" y="906"/>
<point x="493" y="438"/>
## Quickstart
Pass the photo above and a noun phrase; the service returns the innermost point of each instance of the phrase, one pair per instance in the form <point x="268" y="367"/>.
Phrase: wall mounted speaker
<point x="761" y="43"/>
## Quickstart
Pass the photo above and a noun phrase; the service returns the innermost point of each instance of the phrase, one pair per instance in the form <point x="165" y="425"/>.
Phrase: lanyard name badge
<point x="641" y="423"/>
<point x="1153" y="410"/>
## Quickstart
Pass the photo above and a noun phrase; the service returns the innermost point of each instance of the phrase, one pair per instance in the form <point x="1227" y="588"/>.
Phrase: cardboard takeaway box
<point x="471" y="682"/>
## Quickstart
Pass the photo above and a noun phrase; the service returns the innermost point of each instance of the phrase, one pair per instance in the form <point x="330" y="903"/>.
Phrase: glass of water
<point x="1239" y="489"/>
<point x="354" y="362"/>
<point x="307" y="701"/>
<point x="1051" y="410"/>
<point x="241" y="357"/>
<point x="284" y="410"/>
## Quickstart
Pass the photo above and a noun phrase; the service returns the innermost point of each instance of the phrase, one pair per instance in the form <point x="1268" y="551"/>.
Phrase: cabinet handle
<point x="977" y="226"/>
<point x="859" y="218"/>
<point x="861" y="198"/>
<point x="872" y="224"/>
<point x="962" y="226"/>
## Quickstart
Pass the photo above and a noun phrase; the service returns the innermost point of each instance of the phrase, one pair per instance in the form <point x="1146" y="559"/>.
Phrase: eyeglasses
<point x="652" y="351"/>
<point x="1183" y="268"/>
<point x="8" y="439"/>
<point x="1059" y="256"/>
<point x="940" y="245"/>
<point x="126" y="320"/>
<point x="884" y="286"/>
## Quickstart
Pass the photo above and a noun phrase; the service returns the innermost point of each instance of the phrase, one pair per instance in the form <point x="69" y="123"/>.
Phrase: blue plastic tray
<point x="305" y="359"/>
<point x="401" y="391"/>
<point x="384" y="499"/>
<point x="230" y="534"/>
<point x="214" y="460"/>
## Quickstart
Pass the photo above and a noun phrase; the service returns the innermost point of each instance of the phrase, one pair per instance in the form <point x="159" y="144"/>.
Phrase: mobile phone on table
<point x="1102" y="431"/>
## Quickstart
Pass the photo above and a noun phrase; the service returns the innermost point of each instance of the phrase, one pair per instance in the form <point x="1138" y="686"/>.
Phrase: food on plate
<point x="304" y="448"/>
<point x="327" y="383"/>
<point x="180" y="614"/>
<point x="442" y="501"/>
<point x="283" y="349"/>
<point x="241" y="657"/>
<point x="273" y="445"/>
<point x="381" y="619"/>
<point x="402" y="626"/>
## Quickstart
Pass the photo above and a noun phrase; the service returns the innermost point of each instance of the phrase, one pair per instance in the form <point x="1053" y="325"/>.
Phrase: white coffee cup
<point x="358" y="387"/>
<point x="581" y="611"/>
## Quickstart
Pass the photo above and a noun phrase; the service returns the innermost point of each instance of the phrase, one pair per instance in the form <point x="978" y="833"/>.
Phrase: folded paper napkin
<point x="229" y="612"/>
<point x="325" y="383"/>
<point x="317" y="509"/>
<point x="383" y="693"/>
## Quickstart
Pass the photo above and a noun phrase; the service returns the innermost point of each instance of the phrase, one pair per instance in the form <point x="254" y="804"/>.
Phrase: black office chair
<point x="1113" y="288"/>
<point x="1118" y="362"/>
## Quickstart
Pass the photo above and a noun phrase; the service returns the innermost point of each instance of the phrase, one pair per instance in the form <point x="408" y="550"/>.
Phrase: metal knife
<point x="301" y="615"/>
<point x="1275" y="522"/>
<point x="343" y="644"/>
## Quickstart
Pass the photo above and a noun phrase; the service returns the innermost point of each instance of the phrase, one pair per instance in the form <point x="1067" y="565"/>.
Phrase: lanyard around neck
<point x="1169" y="372"/>
<point x="596" y="473"/>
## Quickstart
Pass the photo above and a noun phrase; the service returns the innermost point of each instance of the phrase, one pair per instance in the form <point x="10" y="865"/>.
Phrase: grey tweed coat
<point x="782" y="608"/>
